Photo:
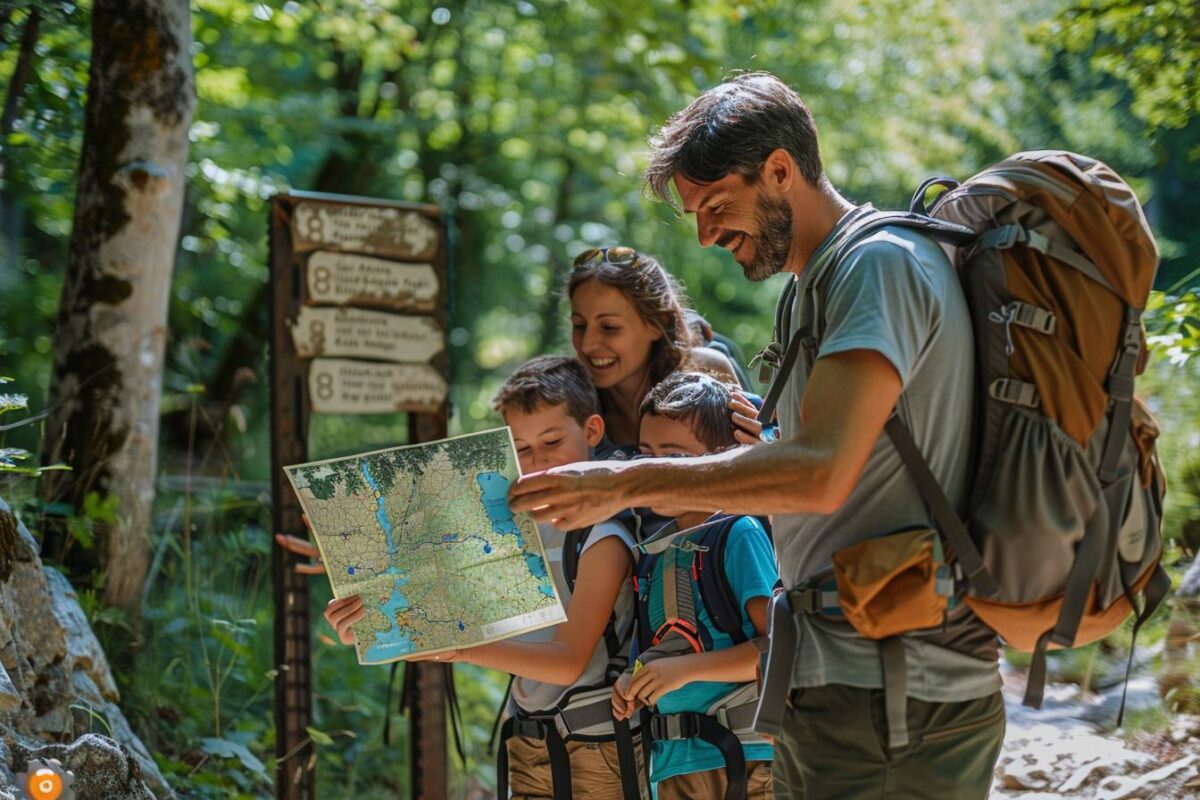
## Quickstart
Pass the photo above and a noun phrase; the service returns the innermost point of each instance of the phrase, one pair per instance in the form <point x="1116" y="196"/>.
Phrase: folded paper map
<point x="424" y="534"/>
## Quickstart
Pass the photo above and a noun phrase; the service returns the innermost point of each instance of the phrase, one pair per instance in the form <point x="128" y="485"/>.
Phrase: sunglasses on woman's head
<point x="618" y="256"/>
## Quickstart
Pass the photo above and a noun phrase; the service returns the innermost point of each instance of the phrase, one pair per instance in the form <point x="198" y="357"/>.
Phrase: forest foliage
<point x="527" y="122"/>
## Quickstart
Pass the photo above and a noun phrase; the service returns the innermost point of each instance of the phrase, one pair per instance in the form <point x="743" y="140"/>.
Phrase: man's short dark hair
<point x="697" y="400"/>
<point x="733" y="127"/>
<point x="552" y="381"/>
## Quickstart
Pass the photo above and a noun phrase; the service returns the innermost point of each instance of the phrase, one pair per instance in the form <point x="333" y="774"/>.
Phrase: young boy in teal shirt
<point x="686" y="662"/>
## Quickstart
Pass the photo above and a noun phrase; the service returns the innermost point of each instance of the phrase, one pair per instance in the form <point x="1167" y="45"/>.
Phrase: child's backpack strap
<point x="718" y="597"/>
<point x="572" y="549"/>
<point x="573" y="544"/>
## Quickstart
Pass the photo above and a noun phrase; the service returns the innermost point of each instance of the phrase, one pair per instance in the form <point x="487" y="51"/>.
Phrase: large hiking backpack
<point x="1063" y="529"/>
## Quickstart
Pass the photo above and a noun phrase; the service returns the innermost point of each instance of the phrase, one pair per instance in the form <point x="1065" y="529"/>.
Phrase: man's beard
<point x="773" y="243"/>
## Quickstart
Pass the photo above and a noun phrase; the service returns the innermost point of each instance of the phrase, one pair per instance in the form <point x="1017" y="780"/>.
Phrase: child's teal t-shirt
<point x="751" y="571"/>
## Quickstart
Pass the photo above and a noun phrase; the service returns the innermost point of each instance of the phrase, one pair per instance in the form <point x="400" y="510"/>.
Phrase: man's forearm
<point x="789" y="477"/>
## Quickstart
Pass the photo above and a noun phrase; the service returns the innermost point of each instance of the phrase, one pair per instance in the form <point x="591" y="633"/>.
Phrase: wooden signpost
<point x="359" y="298"/>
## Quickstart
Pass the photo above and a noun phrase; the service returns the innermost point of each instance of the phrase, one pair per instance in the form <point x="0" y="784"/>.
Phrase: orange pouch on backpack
<point x="889" y="585"/>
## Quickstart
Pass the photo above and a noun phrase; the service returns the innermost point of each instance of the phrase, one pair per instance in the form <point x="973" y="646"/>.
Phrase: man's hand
<point x="657" y="678"/>
<point x="341" y="614"/>
<point x="573" y="496"/>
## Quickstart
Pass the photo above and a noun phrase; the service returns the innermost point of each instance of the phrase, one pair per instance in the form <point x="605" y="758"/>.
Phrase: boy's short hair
<point x="552" y="381"/>
<point x="699" y="401"/>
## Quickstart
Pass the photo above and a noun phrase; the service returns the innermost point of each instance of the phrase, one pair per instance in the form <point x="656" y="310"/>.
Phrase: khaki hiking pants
<point x="595" y="774"/>
<point x="835" y="746"/>
<point x="711" y="784"/>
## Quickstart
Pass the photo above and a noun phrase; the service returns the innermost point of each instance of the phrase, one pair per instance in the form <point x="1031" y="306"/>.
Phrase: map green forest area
<point x="425" y="535"/>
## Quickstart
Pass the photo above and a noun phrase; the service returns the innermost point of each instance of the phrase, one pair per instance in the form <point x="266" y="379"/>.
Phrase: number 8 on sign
<point x="324" y="385"/>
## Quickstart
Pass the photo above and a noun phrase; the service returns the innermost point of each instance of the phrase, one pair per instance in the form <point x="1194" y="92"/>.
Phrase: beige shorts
<point x="595" y="770"/>
<point x="711" y="783"/>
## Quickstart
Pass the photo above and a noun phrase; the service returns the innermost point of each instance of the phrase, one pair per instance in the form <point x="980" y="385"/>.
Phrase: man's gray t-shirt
<point x="894" y="293"/>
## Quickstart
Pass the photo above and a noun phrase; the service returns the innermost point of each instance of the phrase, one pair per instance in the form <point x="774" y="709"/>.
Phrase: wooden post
<point x="294" y="777"/>
<point x="358" y="239"/>
<point x="427" y="745"/>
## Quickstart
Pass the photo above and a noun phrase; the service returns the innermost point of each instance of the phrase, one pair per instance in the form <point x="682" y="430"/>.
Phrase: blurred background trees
<point x="527" y="121"/>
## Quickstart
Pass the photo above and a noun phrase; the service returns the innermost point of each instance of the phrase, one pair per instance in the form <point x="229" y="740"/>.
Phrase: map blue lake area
<point x="395" y="641"/>
<point x="399" y="641"/>
<point x="494" y="497"/>
<point x="537" y="568"/>
<point x="494" y="488"/>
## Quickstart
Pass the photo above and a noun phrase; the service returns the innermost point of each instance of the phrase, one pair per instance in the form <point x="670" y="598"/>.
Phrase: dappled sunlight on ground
<point x="1069" y="748"/>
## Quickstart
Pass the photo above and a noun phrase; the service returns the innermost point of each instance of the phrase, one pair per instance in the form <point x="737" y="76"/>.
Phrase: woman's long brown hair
<point x="656" y="296"/>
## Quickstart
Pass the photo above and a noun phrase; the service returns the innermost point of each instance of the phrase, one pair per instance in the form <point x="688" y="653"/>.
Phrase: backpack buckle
<point x="768" y="360"/>
<point x="684" y="725"/>
<point x="529" y="728"/>
<point x="1002" y="238"/>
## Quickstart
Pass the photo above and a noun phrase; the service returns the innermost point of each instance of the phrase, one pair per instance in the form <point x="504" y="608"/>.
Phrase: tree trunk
<point x="20" y="76"/>
<point x="112" y="322"/>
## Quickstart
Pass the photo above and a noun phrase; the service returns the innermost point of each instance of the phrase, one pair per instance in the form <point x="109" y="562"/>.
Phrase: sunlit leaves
<point x="1153" y="47"/>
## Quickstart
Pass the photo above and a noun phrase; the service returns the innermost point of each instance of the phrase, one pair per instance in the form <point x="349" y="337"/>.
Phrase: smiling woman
<point x="629" y="330"/>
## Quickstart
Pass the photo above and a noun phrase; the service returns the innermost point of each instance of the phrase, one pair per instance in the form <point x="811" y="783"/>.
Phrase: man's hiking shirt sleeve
<point x="881" y="298"/>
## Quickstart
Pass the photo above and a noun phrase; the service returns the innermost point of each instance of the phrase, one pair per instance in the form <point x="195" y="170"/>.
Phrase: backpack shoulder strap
<point x="573" y="544"/>
<point x="572" y="549"/>
<point x="858" y="230"/>
<point x="948" y="522"/>
<point x="715" y="591"/>
<point x="641" y="587"/>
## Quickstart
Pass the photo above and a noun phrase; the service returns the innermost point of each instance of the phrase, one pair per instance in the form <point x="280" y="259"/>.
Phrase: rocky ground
<point x="55" y="683"/>
<point x="1069" y="749"/>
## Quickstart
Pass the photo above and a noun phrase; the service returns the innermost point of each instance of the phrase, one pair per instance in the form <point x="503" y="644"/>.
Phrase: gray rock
<point x="10" y="698"/>
<point x="124" y="734"/>
<point x="83" y="649"/>
<point x="103" y="769"/>
<point x="1189" y="585"/>
<point x="55" y="682"/>
<point x="120" y="731"/>
<point x="16" y="542"/>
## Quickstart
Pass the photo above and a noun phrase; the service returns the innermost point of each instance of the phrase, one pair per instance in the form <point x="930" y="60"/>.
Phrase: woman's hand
<point x="657" y="678"/>
<point x="341" y="614"/>
<point x="304" y="549"/>
<point x="746" y="427"/>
